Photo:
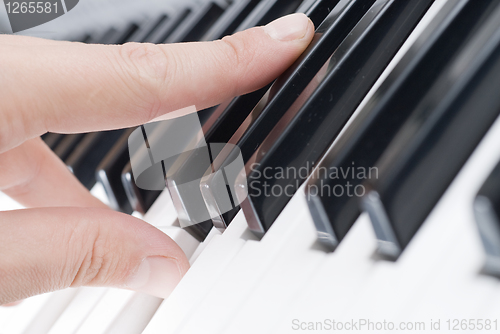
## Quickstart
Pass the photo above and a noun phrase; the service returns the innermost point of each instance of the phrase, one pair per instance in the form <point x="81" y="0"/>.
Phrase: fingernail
<point x="288" y="28"/>
<point x="157" y="276"/>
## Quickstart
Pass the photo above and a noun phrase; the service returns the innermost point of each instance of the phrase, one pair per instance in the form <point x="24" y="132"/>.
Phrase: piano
<point x="369" y="195"/>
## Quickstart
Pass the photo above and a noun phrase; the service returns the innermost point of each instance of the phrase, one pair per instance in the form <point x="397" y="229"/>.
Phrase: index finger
<point x="72" y="87"/>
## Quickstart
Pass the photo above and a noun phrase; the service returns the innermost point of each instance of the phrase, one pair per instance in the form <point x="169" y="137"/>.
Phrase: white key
<point x="162" y="212"/>
<point x="24" y="314"/>
<point x="76" y="312"/>
<point x="290" y="271"/>
<point x="135" y="316"/>
<point x="213" y="232"/>
<point x="245" y="271"/>
<point x="199" y="279"/>
<point x="335" y="282"/>
<point x="103" y="314"/>
<point x="51" y="311"/>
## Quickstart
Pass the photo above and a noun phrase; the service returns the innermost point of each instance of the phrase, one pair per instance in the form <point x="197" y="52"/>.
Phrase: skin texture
<point x="66" y="237"/>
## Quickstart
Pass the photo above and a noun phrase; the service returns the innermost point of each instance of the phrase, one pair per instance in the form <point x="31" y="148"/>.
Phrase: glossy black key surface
<point x="268" y="11"/>
<point x="438" y="138"/>
<point x="487" y="214"/>
<point x="167" y="27"/>
<point x="289" y="86"/>
<point x="140" y="200"/>
<point x="225" y="120"/>
<point x="319" y="10"/>
<point x="109" y="170"/>
<point x="304" y="133"/>
<point x="84" y="160"/>
<point x="52" y="139"/>
<point x="197" y="24"/>
<point x="67" y="145"/>
<point x="147" y="29"/>
<point x="125" y="34"/>
<point x="230" y="20"/>
<point x="378" y="122"/>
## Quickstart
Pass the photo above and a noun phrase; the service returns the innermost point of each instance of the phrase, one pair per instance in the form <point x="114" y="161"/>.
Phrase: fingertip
<point x="294" y="27"/>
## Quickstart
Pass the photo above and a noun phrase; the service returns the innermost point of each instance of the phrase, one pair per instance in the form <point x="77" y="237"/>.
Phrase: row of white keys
<point x="293" y="268"/>
<point x="20" y="319"/>
<point x="199" y="279"/>
<point x="242" y="275"/>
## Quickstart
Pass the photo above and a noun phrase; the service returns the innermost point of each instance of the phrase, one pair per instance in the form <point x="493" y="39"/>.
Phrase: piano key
<point x="218" y="129"/>
<point x="148" y="28"/>
<point x="273" y="106"/>
<point x="306" y="5"/>
<point x="52" y="139"/>
<point x="193" y="28"/>
<point x="106" y="38"/>
<point x="305" y="132"/>
<point x="24" y="314"/>
<point x="140" y="199"/>
<point x="368" y="136"/>
<point x="198" y="281"/>
<point x="108" y="173"/>
<point x="67" y="145"/>
<point x="230" y="20"/>
<point x="84" y="160"/>
<point x="487" y="217"/>
<point x="102" y="315"/>
<point x="166" y="28"/>
<point x="124" y="35"/>
<point x="425" y="148"/>
<point x="282" y="281"/>
<point x="76" y="312"/>
<point x="54" y="307"/>
<point x="450" y="233"/>
<point x="135" y="316"/>
<point x="319" y="10"/>
<point x="245" y="270"/>
<point x="268" y="11"/>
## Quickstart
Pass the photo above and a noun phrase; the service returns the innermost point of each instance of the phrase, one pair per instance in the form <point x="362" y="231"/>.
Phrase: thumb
<point x="43" y="250"/>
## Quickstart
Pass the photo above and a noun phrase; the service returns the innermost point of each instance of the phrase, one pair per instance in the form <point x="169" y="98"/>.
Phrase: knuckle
<point x="93" y="262"/>
<point x="147" y="66"/>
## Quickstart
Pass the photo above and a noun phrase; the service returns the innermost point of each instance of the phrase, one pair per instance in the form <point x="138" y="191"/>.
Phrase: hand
<point x="67" y="238"/>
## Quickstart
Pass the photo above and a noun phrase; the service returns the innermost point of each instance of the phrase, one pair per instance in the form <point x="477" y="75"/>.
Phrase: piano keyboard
<point x="391" y="116"/>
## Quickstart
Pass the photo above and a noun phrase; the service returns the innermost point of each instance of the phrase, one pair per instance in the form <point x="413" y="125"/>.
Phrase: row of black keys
<point x="104" y="156"/>
<point x="415" y="134"/>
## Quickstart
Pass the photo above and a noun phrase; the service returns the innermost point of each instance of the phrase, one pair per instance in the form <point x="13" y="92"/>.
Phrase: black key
<point x="125" y="34"/>
<point x="305" y="132"/>
<point x="306" y="5"/>
<point x="84" y="160"/>
<point x="109" y="170"/>
<point x="487" y="213"/>
<point x="140" y="199"/>
<point x="194" y="27"/>
<point x="335" y="211"/>
<point x="320" y="10"/>
<point x="292" y="83"/>
<point x="268" y="11"/>
<point x="147" y="29"/>
<point x="166" y="28"/>
<point x="230" y="20"/>
<point x="107" y="38"/>
<point x="67" y="145"/>
<point x="52" y="139"/>
<point x="438" y="138"/>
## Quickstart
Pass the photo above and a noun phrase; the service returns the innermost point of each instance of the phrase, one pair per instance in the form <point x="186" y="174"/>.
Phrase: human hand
<point x="66" y="237"/>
